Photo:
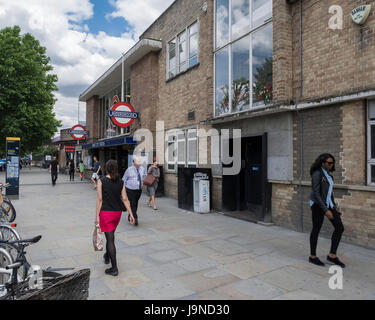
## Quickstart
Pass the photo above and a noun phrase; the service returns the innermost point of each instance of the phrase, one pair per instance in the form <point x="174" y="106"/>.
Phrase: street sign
<point x="78" y="132"/>
<point x="13" y="165"/>
<point x="123" y="114"/>
<point x="69" y="149"/>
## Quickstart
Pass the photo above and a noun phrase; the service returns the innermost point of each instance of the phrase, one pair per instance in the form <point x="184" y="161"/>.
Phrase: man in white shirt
<point x="133" y="179"/>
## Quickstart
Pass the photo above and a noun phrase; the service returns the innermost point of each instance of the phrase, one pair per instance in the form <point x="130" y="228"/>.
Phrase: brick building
<point x="274" y="69"/>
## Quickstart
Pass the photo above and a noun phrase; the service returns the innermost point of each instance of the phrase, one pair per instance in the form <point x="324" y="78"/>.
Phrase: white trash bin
<point x="201" y="193"/>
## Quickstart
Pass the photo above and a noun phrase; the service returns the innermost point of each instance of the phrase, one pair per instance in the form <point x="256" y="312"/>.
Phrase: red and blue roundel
<point x="123" y="114"/>
<point x="78" y="132"/>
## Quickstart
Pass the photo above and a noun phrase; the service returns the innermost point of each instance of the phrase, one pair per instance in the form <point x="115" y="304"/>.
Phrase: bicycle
<point x="9" y="233"/>
<point x="7" y="210"/>
<point x="10" y="273"/>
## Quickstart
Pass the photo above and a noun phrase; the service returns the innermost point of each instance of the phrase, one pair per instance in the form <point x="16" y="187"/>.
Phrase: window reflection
<point x="261" y="11"/>
<point x="222" y="82"/>
<point x="172" y="58"/>
<point x="262" y="66"/>
<point x="241" y="75"/>
<point x="222" y="22"/>
<point x="240" y="18"/>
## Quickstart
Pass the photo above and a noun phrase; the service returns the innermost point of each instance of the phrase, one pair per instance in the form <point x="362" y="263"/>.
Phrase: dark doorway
<point x="245" y="195"/>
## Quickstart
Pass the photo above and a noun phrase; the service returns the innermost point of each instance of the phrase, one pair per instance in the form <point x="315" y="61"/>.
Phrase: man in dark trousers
<point x="54" y="169"/>
<point x="133" y="179"/>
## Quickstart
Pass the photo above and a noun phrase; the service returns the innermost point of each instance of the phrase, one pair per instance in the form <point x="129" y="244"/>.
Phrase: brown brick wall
<point x="282" y="52"/>
<point x="192" y="90"/>
<point x="144" y="78"/>
<point x="335" y="62"/>
<point x="92" y="117"/>
<point x="354" y="156"/>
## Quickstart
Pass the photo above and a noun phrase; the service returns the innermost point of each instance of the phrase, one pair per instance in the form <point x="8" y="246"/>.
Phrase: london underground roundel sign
<point x="123" y="114"/>
<point x="78" y="132"/>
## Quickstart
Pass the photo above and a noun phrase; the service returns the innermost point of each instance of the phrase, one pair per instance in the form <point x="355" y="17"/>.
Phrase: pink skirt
<point x="109" y="220"/>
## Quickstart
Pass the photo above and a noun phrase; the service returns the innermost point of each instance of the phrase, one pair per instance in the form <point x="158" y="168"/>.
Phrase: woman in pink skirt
<point x="111" y="202"/>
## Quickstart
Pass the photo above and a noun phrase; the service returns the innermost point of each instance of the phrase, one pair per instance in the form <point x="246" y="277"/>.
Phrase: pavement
<point x="174" y="254"/>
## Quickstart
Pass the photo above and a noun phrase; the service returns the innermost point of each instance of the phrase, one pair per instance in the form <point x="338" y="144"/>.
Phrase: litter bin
<point x="201" y="192"/>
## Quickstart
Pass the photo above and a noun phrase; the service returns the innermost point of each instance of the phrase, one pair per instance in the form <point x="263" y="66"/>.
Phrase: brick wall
<point x="92" y="117"/>
<point x="192" y="90"/>
<point x="335" y="62"/>
<point x="282" y="52"/>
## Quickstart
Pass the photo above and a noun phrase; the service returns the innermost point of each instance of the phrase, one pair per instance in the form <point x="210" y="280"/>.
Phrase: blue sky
<point x="112" y="26"/>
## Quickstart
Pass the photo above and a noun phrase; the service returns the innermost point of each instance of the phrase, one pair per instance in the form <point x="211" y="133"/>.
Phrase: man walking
<point x="54" y="169"/>
<point x="95" y="175"/>
<point x="133" y="179"/>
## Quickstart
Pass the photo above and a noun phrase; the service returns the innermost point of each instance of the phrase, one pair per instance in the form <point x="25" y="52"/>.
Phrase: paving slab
<point x="176" y="254"/>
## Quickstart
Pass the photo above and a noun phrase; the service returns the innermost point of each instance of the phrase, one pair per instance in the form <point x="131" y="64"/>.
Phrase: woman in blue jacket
<point x="323" y="204"/>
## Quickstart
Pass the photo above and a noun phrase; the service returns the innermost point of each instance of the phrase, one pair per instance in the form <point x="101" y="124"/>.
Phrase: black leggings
<point x="317" y="219"/>
<point x="71" y="174"/>
<point x="111" y="248"/>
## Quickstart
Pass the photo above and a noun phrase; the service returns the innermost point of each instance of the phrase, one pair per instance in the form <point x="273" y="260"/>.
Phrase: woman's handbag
<point x="149" y="180"/>
<point x="97" y="239"/>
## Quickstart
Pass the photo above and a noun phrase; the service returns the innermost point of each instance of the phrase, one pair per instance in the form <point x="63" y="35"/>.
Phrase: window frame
<point x="187" y="52"/>
<point x="229" y="45"/>
<point x="186" y="163"/>
<point x="370" y="161"/>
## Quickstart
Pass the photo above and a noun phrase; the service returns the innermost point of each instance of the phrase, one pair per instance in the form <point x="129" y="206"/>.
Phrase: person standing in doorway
<point x="133" y="179"/>
<point x="54" y="169"/>
<point x="323" y="204"/>
<point x="151" y="190"/>
<point x="111" y="201"/>
<point x="81" y="169"/>
<point x="95" y="176"/>
<point x="71" y="170"/>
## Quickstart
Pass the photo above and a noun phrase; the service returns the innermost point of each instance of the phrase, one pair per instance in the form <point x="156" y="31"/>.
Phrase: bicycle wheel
<point x="5" y="260"/>
<point x="7" y="233"/>
<point x="4" y="215"/>
<point x="7" y="205"/>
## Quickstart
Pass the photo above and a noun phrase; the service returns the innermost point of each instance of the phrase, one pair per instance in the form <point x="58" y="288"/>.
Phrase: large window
<point x="371" y="142"/>
<point x="243" y="55"/>
<point x="183" y="51"/>
<point x="182" y="149"/>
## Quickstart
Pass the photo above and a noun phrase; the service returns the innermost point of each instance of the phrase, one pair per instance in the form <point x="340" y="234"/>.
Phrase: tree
<point x="262" y="86"/>
<point x="26" y="91"/>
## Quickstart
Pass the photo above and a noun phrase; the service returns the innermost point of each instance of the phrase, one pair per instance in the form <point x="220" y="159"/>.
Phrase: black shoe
<point x="316" y="261"/>
<point x="336" y="261"/>
<point x="136" y="222"/>
<point x="112" y="272"/>
<point x="106" y="258"/>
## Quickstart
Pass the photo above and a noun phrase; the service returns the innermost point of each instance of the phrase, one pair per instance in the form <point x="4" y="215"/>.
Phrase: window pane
<point x="193" y="29"/>
<point x="193" y="151"/>
<point x="372" y="174"/>
<point x="261" y="11"/>
<point x="371" y="110"/>
<point x="193" y="61"/>
<point x="241" y="75"/>
<point x="181" y="151"/>
<point x="182" y="47"/>
<point x="240" y="18"/>
<point x="193" y="45"/>
<point x="222" y="82"/>
<point x="182" y="67"/>
<point x="262" y="66"/>
<point x="222" y="22"/>
<point x="172" y="58"/>
<point x="372" y="138"/>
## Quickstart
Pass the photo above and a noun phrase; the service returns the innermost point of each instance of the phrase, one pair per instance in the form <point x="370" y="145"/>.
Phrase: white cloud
<point x="78" y="57"/>
<point x="139" y="14"/>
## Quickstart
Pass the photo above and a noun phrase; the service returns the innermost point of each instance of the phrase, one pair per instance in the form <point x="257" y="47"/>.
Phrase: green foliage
<point x="46" y="151"/>
<point x="26" y="91"/>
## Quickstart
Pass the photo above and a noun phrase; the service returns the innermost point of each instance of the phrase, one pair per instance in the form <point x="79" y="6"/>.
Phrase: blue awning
<point x="109" y="143"/>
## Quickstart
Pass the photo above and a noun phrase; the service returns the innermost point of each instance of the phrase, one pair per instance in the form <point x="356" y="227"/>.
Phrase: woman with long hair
<point x="111" y="202"/>
<point x="322" y="204"/>
<point x="151" y="190"/>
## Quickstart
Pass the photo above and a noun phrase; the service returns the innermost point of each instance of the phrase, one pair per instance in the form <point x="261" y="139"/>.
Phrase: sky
<point x="83" y="39"/>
